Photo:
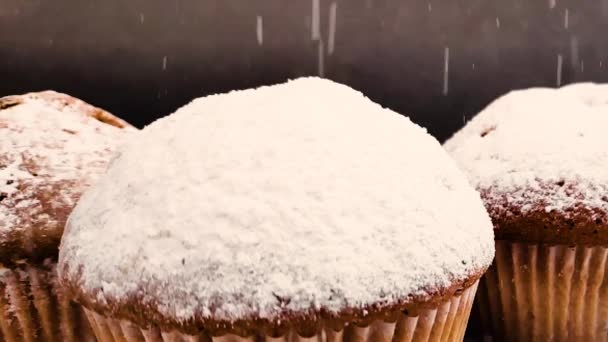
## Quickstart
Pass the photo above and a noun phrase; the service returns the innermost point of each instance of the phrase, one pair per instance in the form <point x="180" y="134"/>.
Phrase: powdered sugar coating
<point x="52" y="146"/>
<point x="539" y="147"/>
<point x="300" y="196"/>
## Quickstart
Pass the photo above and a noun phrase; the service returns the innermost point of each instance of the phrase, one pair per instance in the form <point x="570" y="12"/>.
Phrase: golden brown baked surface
<point x="305" y="323"/>
<point x="52" y="147"/>
<point x="576" y="225"/>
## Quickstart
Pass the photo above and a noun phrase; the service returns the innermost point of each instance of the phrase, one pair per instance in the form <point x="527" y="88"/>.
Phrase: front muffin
<point x="296" y="211"/>
<point x="539" y="157"/>
<point x="52" y="147"/>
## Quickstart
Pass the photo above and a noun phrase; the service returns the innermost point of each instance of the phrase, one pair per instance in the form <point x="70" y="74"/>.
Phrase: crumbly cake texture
<point x="539" y="158"/>
<point x="52" y="147"/>
<point x="303" y="197"/>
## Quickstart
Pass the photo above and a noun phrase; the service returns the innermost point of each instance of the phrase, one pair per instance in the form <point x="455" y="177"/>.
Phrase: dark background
<point x="141" y="59"/>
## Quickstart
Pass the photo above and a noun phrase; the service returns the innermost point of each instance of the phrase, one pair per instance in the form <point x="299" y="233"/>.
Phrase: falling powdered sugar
<point x="288" y="198"/>
<point x="539" y="147"/>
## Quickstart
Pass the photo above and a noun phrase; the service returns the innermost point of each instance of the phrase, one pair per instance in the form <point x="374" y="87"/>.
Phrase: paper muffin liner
<point x="444" y="323"/>
<point x="537" y="292"/>
<point x="34" y="308"/>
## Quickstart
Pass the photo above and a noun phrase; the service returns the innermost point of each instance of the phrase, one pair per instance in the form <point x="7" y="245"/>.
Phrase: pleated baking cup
<point x="444" y="323"/>
<point x="34" y="308"/>
<point x="537" y="292"/>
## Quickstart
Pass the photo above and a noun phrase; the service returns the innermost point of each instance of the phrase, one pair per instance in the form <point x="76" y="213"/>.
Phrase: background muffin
<point x="539" y="157"/>
<point x="52" y="147"/>
<point x="298" y="211"/>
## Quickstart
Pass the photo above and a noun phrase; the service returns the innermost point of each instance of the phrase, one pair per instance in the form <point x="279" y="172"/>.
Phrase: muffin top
<point x="271" y="208"/>
<point x="52" y="146"/>
<point x="539" y="157"/>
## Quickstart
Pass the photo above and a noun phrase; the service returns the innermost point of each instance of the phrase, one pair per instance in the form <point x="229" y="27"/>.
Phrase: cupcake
<point x="539" y="157"/>
<point x="52" y="147"/>
<point x="296" y="212"/>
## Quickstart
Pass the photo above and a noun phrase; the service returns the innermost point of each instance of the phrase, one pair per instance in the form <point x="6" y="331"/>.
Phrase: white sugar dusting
<point x="333" y="8"/>
<point x="574" y="52"/>
<point x="558" y="77"/>
<point x="259" y="29"/>
<point x="315" y="25"/>
<point x="49" y="144"/>
<point x="304" y="195"/>
<point x="540" y="147"/>
<point x="320" y="59"/>
<point x="446" y="66"/>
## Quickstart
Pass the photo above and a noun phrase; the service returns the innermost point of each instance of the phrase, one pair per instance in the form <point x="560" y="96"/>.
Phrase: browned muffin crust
<point x="61" y="101"/>
<point x="577" y="225"/>
<point x="34" y="239"/>
<point x="306" y="324"/>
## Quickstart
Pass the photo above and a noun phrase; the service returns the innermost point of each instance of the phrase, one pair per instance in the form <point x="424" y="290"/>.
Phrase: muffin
<point x="52" y="147"/>
<point x="539" y="157"/>
<point x="296" y="212"/>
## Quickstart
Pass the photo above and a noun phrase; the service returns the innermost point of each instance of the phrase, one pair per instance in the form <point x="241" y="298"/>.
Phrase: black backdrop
<point x="141" y="59"/>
